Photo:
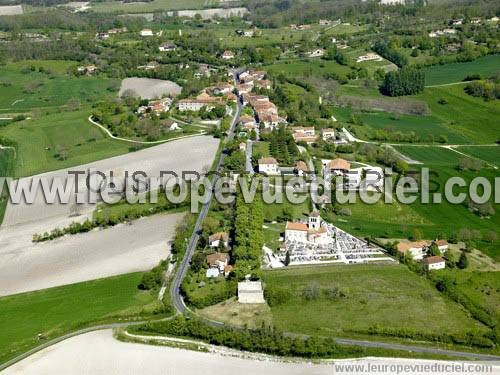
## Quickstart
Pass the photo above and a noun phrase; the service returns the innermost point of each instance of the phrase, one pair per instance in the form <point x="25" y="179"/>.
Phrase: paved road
<point x="177" y="299"/>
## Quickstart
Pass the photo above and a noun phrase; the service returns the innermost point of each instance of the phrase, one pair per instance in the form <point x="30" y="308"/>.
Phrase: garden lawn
<point x="449" y="73"/>
<point x="53" y="312"/>
<point x="375" y="295"/>
<point x="41" y="140"/>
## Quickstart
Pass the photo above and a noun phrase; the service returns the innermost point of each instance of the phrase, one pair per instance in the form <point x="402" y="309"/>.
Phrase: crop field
<point x="307" y="67"/>
<point x="52" y="312"/>
<point x="22" y="88"/>
<point x="449" y="73"/>
<point x="474" y="118"/>
<point x="42" y="141"/>
<point x="489" y="154"/>
<point x="374" y="295"/>
<point x="119" y="7"/>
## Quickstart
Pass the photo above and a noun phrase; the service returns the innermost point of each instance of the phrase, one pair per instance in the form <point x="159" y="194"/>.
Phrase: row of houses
<point x="308" y="134"/>
<point x="202" y="100"/>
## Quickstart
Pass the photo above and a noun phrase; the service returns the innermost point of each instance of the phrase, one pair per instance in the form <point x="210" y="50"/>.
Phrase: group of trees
<point x="248" y="237"/>
<point x="406" y="81"/>
<point x="384" y="50"/>
<point x="264" y="340"/>
<point x="282" y="145"/>
<point x="488" y="90"/>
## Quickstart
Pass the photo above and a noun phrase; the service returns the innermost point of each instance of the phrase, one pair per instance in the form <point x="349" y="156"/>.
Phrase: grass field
<point x="449" y="73"/>
<point x="40" y="140"/>
<point x="119" y="7"/>
<point x="473" y="118"/>
<point x="375" y="295"/>
<point x="53" y="312"/>
<point x="307" y="67"/>
<point x="435" y="156"/>
<point x="22" y="89"/>
<point x="428" y="128"/>
<point x="489" y="154"/>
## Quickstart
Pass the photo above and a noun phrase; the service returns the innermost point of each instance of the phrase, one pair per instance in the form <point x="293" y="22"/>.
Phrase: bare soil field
<point x="148" y="88"/>
<point x="188" y="154"/>
<point x="11" y="10"/>
<point x="25" y="266"/>
<point x="99" y="353"/>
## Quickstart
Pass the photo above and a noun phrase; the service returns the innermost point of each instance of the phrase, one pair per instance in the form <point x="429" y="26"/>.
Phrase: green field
<point x="40" y="140"/>
<point x="307" y="67"/>
<point x="435" y="156"/>
<point x="375" y="295"/>
<point x="449" y="73"/>
<point x="119" y="7"/>
<point x="22" y="89"/>
<point x="489" y="154"/>
<point x="428" y="128"/>
<point x="473" y="118"/>
<point x="53" y="312"/>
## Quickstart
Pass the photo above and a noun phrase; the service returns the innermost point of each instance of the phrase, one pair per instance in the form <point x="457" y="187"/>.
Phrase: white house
<point x="416" y="249"/>
<point x="327" y="134"/>
<point x="215" y="239"/>
<point x="370" y="56"/>
<point x="250" y="292"/>
<point x="318" y="52"/>
<point x="269" y="166"/>
<point x="301" y="168"/>
<point x="167" y="47"/>
<point x="146" y="32"/>
<point x="434" y="263"/>
<point x="442" y="245"/>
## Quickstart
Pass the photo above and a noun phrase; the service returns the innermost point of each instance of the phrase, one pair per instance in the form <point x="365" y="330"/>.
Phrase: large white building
<point x="434" y="263"/>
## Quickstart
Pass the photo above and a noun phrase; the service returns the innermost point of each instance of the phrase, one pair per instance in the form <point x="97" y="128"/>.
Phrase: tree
<point x="406" y="81"/>
<point x="463" y="261"/>
<point x="416" y="234"/>
<point x="287" y="258"/>
<point x="433" y="250"/>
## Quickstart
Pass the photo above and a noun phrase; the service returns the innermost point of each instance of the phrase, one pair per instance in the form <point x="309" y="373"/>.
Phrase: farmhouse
<point x="433" y="263"/>
<point x="218" y="263"/>
<point x="215" y="239"/>
<point x="415" y="249"/>
<point x="336" y="167"/>
<point x="87" y="69"/>
<point x="269" y="166"/>
<point x="250" y="292"/>
<point x="442" y="245"/>
<point x="222" y="88"/>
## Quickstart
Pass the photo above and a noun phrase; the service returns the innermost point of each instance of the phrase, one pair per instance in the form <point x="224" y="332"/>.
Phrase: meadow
<point x="381" y="296"/>
<point x="59" y="141"/>
<point x="53" y="312"/>
<point x="119" y="7"/>
<point x="450" y="73"/>
<point x="307" y="67"/>
<point x="6" y="167"/>
<point x="23" y="87"/>
<point x="489" y="154"/>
